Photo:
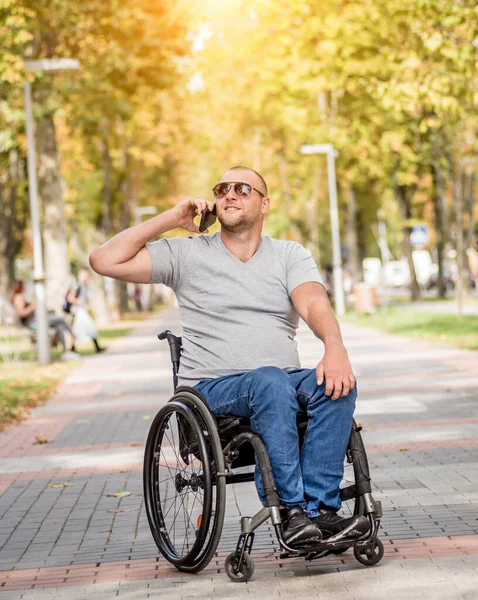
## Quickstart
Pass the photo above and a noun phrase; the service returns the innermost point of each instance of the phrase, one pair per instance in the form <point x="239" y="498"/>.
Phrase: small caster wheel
<point x="370" y="554"/>
<point x="241" y="572"/>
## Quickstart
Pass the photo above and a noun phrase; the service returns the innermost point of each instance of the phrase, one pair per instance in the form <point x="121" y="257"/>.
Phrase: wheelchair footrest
<point x="318" y="550"/>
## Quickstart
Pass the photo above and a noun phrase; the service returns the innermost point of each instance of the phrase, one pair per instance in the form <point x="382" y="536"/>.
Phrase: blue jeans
<point x="271" y="398"/>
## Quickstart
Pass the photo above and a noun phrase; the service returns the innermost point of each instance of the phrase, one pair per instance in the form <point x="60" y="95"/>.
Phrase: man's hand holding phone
<point x="190" y="208"/>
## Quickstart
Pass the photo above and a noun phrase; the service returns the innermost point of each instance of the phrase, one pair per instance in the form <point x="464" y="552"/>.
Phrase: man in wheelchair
<point x="240" y="295"/>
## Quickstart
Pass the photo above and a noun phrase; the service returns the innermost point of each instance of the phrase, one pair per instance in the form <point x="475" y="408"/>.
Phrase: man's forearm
<point x="128" y="243"/>
<point x="323" y="322"/>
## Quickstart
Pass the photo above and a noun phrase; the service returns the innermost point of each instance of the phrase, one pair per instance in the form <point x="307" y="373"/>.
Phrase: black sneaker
<point x="331" y="524"/>
<point x="298" y="529"/>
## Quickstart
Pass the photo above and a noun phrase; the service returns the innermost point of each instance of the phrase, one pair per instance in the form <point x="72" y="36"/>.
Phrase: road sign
<point x="419" y="235"/>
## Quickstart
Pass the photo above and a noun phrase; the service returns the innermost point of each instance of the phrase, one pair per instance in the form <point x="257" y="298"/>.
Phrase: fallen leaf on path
<point x="61" y="485"/>
<point x="133" y="444"/>
<point x="82" y="421"/>
<point x="114" y="393"/>
<point x="125" y="471"/>
<point x="403" y="449"/>
<point x="119" y="494"/>
<point x="147" y="417"/>
<point x="118" y="510"/>
<point x="39" y="439"/>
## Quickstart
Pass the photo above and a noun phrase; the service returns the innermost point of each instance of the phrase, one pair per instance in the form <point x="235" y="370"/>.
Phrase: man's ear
<point x="266" y="204"/>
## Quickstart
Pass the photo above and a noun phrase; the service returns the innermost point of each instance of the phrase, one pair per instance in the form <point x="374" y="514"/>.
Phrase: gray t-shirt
<point x="235" y="316"/>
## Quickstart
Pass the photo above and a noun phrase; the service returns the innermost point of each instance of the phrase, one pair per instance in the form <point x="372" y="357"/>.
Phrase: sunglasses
<point x="244" y="190"/>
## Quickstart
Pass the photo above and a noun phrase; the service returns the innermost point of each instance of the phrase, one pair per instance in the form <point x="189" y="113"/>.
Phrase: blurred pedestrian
<point x="26" y="313"/>
<point x="84" y="327"/>
<point x="137" y="297"/>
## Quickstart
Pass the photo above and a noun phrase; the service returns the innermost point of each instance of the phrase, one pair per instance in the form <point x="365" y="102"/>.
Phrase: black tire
<point x="242" y="572"/>
<point x="371" y="554"/>
<point x="178" y="486"/>
<point x="198" y="459"/>
<point x="198" y="405"/>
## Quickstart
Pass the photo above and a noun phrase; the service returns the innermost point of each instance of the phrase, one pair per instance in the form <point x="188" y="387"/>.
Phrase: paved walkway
<point x="63" y="536"/>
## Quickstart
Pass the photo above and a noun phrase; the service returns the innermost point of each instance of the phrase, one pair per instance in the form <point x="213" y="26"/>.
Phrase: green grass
<point x="24" y="384"/>
<point x="17" y="346"/>
<point x="110" y="334"/>
<point x="23" y="388"/>
<point x="443" y="328"/>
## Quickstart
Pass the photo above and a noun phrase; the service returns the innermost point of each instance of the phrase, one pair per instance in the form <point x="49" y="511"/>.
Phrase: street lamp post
<point x="41" y="318"/>
<point x="329" y="151"/>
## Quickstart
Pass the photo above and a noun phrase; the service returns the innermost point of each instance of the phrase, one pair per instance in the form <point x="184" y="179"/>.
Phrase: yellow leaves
<point x="22" y="388"/>
<point x="61" y="485"/>
<point x="433" y="42"/>
<point x="40" y="439"/>
<point x="119" y="494"/>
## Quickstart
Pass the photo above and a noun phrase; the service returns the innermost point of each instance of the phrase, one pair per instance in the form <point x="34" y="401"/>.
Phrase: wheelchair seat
<point x="229" y="426"/>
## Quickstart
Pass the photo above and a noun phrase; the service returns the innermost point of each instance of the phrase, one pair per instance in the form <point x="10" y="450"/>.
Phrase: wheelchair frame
<point x="219" y="444"/>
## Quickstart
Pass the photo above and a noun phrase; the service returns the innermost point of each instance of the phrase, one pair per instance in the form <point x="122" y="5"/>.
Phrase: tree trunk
<point x="57" y="266"/>
<point x="18" y="212"/>
<point x="351" y="239"/>
<point x="458" y="192"/>
<point x="4" y="266"/>
<point x="437" y="195"/>
<point x="12" y="222"/>
<point x="312" y="218"/>
<point x="469" y="204"/>
<point x="125" y="222"/>
<point x="403" y="196"/>
<point x="107" y="172"/>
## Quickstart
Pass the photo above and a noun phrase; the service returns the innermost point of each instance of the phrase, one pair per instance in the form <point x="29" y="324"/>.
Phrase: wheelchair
<point x="191" y="454"/>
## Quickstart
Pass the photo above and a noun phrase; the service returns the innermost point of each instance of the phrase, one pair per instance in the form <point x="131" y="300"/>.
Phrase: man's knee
<point x="352" y="395"/>
<point x="265" y="377"/>
<point x="271" y="384"/>
<point x="346" y="402"/>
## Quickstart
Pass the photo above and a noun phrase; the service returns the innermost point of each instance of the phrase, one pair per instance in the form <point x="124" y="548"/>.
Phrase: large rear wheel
<point x="184" y="496"/>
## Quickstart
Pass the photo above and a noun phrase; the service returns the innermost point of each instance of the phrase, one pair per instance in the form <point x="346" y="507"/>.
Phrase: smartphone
<point x="208" y="217"/>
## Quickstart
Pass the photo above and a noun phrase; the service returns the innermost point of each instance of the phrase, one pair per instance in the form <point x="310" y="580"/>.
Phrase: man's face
<point x="83" y="276"/>
<point x="240" y="214"/>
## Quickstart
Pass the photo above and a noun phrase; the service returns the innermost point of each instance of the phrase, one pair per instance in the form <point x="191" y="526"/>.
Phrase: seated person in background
<point x="26" y="313"/>
<point x="240" y="296"/>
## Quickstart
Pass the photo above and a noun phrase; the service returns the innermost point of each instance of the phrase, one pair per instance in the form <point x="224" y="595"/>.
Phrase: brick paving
<point x="417" y="404"/>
